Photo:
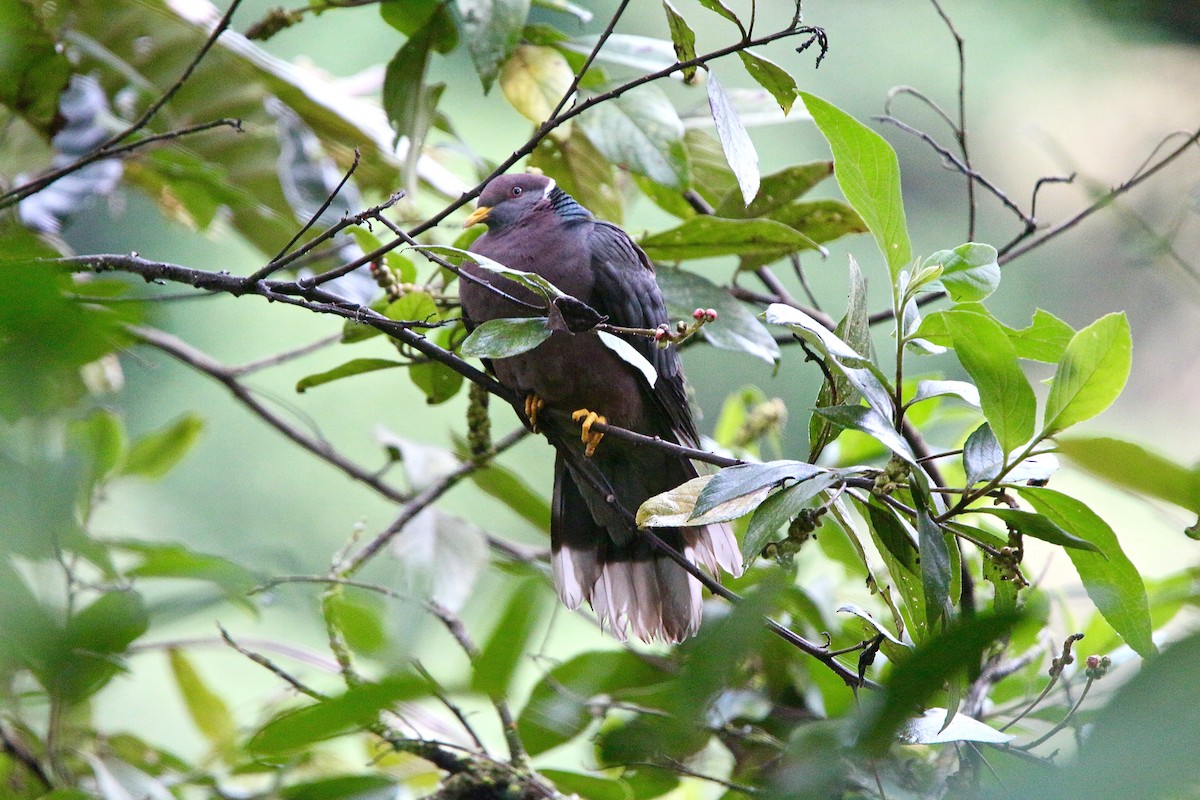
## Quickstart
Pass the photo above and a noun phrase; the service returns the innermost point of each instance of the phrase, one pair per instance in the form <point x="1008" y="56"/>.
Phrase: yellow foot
<point x="533" y="404"/>
<point x="590" y="438"/>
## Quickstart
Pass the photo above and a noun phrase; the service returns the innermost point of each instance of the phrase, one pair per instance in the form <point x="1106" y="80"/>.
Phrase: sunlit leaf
<point x="1091" y="374"/>
<point x="208" y="711"/>
<point x="969" y="272"/>
<point x="868" y="172"/>
<point x="675" y="507"/>
<point x="776" y="190"/>
<point x="708" y="237"/>
<point x="931" y="728"/>
<point x="534" y="79"/>
<point x="772" y="77"/>
<point x="1110" y="578"/>
<point x="870" y="422"/>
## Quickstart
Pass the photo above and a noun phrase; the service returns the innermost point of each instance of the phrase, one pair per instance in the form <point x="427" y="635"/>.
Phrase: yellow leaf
<point x="534" y="79"/>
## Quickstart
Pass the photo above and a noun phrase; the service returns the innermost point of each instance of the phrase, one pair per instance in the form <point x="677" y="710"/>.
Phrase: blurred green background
<point x="1052" y="88"/>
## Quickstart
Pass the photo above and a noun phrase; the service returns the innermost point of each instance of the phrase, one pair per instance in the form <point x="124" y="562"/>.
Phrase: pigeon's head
<point x="508" y="198"/>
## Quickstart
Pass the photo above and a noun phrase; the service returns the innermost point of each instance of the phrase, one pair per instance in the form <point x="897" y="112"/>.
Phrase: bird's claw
<point x="590" y="438"/>
<point x="533" y="404"/>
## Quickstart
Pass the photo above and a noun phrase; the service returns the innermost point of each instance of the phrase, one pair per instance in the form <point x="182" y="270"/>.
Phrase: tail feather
<point x="629" y="583"/>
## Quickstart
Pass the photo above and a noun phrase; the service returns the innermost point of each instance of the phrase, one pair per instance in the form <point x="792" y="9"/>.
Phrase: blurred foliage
<point x="908" y="569"/>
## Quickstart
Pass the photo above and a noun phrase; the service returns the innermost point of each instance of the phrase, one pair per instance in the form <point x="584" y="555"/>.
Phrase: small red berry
<point x="698" y="314"/>
<point x="1093" y="662"/>
<point x="710" y="314"/>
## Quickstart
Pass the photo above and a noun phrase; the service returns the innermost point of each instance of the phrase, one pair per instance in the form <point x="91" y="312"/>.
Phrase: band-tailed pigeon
<point x="536" y="227"/>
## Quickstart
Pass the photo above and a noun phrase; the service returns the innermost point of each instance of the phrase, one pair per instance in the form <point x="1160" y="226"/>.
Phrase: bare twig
<point x="285" y="356"/>
<point x="316" y="215"/>
<point x="270" y="666"/>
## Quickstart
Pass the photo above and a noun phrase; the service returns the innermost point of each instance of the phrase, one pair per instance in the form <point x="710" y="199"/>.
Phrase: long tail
<point x="630" y="584"/>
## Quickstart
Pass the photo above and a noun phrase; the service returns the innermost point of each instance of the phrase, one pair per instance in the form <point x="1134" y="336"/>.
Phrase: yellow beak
<point x="477" y="216"/>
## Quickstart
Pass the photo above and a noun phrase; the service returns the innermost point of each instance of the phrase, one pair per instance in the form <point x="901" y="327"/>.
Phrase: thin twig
<point x="960" y="129"/>
<point x="316" y="215"/>
<point x="284" y="357"/>
<point x="270" y="666"/>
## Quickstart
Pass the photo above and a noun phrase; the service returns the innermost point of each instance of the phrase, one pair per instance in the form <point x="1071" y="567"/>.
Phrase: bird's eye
<point x="516" y="190"/>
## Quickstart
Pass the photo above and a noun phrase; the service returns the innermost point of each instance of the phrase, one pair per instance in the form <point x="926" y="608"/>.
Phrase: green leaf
<point x="534" y="79"/>
<point x="772" y="77"/>
<point x="818" y="221"/>
<point x="969" y="272"/>
<point x="743" y="479"/>
<point x="868" y="173"/>
<point x="1110" y="578"/>
<point x="436" y="380"/>
<point x="530" y="280"/>
<point x="102" y="436"/>
<point x="937" y="571"/>
<point x="990" y="359"/>
<point x="33" y="73"/>
<point x="500" y="338"/>
<point x="722" y="9"/>
<point x="493" y="668"/>
<point x="640" y="131"/>
<point x="682" y="38"/>
<point x="737" y="328"/>
<point x="739" y="150"/>
<point x="917" y="678"/>
<point x="408" y="101"/>
<point x="1091" y="374"/>
<point x="343" y="787"/>
<point x="359" y="616"/>
<point x="92" y="642"/>
<point x="709" y="237"/>
<point x="855" y="330"/>
<point x="592" y="787"/>
<point x="511" y="489"/>
<point x="776" y="191"/>
<point x="1037" y="526"/>
<point x="897" y="546"/>
<point x="154" y="454"/>
<point x="354" y="710"/>
<point x="1131" y="466"/>
<point x="870" y="422"/>
<point x="780" y="509"/>
<point x="558" y="709"/>
<point x="492" y="29"/>
<point x="356" y="366"/>
<point x="206" y="708"/>
<point x="160" y="560"/>
<point x="1045" y="339"/>
<point x="411" y="16"/>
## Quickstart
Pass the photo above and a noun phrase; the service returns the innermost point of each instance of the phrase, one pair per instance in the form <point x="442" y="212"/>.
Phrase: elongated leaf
<point x="351" y="711"/>
<point x="743" y="479"/>
<point x="493" y="668"/>
<point x="772" y="77"/>
<point x="1091" y="374"/>
<point x="410" y="16"/>
<point x="776" y="190"/>
<point x="1039" y="527"/>
<point x="682" y="38"/>
<point x="709" y="237"/>
<point x="919" y="677"/>
<point x="511" y="489"/>
<point x="739" y="150"/>
<point x="492" y="29"/>
<point x="645" y="53"/>
<point x="778" y="510"/>
<point x="962" y="389"/>
<point x="1110" y="578"/>
<point x="936" y="566"/>
<point x="675" y="508"/>
<point x="990" y="359"/>
<point x="593" y="787"/>
<point x="870" y="422"/>
<point x="737" y="328"/>
<point x="640" y="131"/>
<point x="160" y="560"/>
<point x="722" y="9"/>
<point x="869" y="174"/>
<point x="356" y="366"/>
<point x="818" y="221"/>
<point x="1134" y="467"/>
<point x="93" y="641"/>
<point x="855" y="330"/>
<point x="501" y="338"/>
<point x="534" y="79"/>
<point x="206" y="708"/>
<point x="154" y="454"/>
<point x="969" y="272"/>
